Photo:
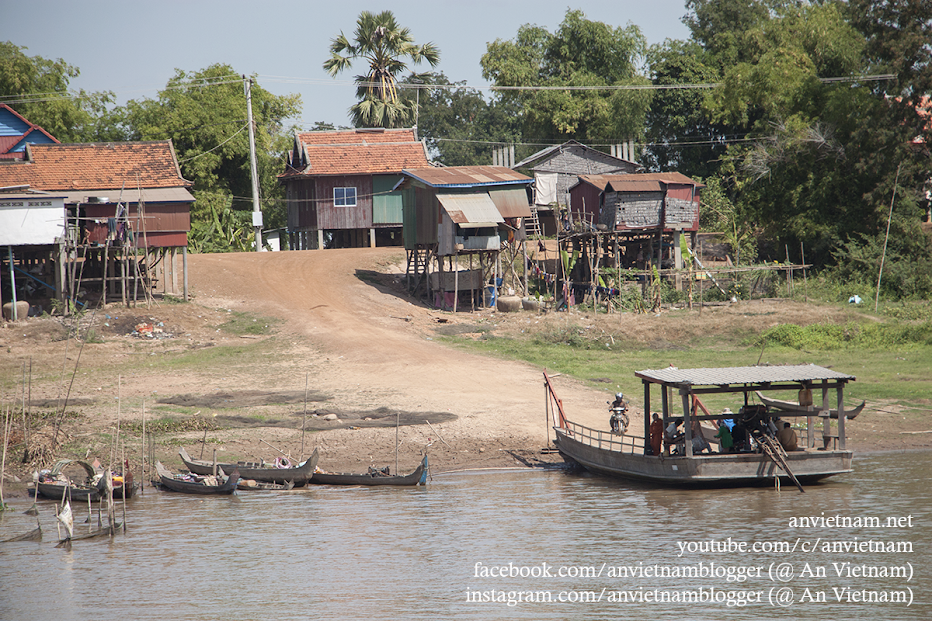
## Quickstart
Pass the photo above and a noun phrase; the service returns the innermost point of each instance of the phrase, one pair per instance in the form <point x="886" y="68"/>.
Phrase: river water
<point x="439" y="552"/>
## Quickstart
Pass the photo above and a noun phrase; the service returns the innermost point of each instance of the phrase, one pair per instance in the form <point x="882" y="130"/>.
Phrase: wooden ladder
<point x="775" y="452"/>
<point x="532" y="224"/>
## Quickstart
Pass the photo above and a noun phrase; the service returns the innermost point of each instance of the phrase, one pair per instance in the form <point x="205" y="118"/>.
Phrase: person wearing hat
<point x="726" y="419"/>
<point x="724" y="437"/>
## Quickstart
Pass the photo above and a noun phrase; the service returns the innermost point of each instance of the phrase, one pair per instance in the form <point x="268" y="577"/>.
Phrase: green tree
<point x="204" y="114"/>
<point x="457" y="122"/>
<point x="680" y="134"/>
<point x="581" y="53"/>
<point x="382" y="43"/>
<point x="37" y="88"/>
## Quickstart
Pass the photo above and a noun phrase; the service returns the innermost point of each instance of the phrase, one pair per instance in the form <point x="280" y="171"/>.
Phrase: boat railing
<point x="605" y="440"/>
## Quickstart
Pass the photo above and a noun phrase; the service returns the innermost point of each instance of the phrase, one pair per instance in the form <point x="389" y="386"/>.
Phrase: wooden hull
<point x="74" y="493"/>
<point x="168" y="482"/>
<point x="419" y="476"/>
<point x="299" y="475"/>
<point x="715" y="470"/>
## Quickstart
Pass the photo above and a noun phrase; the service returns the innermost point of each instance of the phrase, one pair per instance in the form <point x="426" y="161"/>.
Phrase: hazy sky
<point x="133" y="48"/>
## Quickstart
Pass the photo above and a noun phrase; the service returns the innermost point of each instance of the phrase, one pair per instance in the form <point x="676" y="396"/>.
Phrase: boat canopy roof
<point x="757" y="376"/>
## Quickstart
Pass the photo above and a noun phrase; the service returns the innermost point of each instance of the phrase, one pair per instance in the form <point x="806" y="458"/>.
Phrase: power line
<point x="194" y="157"/>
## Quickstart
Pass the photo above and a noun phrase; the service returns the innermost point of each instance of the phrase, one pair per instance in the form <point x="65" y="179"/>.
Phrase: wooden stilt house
<point x="464" y="214"/>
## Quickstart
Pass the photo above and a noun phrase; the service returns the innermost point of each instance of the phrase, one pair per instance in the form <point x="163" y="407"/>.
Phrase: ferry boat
<point x="760" y="459"/>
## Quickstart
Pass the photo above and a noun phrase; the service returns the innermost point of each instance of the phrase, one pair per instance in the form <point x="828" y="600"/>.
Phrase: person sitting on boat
<point x="699" y="442"/>
<point x="724" y="437"/>
<point x="739" y="436"/>
<point x="656" y="434"/>
<point x="673" y="437"/>
<point x="787" y="438"/>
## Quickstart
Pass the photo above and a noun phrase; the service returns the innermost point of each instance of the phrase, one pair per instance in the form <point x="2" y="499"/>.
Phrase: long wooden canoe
<point x="170" y="482"/>
<point x="793" y="406"/>
<point x="298" y="475"/>
<point x="418" y="477"/>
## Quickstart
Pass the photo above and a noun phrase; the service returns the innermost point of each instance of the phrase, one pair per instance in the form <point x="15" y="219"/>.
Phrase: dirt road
<point x="368" y="347"/>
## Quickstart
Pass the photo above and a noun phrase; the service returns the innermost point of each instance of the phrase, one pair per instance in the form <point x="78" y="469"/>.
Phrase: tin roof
<point x="470" y="208"/>
<point x="741" y="375"/>
<point x="511" y="202"/>
<point x="467" y="176"/>
<point x="637" y="182"/>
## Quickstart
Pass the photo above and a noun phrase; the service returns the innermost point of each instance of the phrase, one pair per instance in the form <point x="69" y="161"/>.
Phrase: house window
<point x="344" y="197"/>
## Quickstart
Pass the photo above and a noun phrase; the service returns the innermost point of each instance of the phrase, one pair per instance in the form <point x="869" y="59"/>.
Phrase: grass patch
<point x="825" y="337"/>
<point x="899" y="374"/>
<point x="171" y="424"/>
<point x="248" y="324"/>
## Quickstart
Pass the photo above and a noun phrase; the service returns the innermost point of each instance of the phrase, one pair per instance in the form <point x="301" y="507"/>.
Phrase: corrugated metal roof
<point x="741" y="375"/>
<point x="633" y="185"/>
<point x="467" y="176"/>
<point x="511" y="203"/>
<point x="638" y="182"/>
<point x="129" y="195"/>
<point x="470" y="208"/>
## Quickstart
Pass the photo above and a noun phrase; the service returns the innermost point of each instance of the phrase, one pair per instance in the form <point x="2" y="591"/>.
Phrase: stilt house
<point x="340" y="186"/>
<point x="468" y="213"/>
<point x="126" y="216"/>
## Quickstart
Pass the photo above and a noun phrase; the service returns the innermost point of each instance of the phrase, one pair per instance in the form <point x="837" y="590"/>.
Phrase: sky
<point x="133" y="48"/>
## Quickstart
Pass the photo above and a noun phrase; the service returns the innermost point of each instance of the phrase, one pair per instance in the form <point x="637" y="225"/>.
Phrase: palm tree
<point x="383" y="44"/>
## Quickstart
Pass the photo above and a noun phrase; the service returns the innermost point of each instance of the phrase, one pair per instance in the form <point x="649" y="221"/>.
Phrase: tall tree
<point x="38" y="89"/>
<point x="204" y="114"/>
<point x="382" y="43"/>
<point x="457" y="122"/>
<point x="679" y="133"/>
<point x="581" y="53"/>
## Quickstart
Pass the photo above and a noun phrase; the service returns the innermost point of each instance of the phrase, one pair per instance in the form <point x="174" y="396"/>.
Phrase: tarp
<point x="471" y="210"/>
<point x="511" y="203"/>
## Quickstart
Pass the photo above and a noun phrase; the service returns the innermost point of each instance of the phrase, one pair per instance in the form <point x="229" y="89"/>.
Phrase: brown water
<point x="380" y="553"/>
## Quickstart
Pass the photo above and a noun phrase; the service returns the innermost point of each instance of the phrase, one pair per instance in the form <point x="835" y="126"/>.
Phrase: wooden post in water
<point x="397" y="424"/>
<point x="304" y="420"/>
<point x="142" y="449"/>
<point x="125" y="469"/>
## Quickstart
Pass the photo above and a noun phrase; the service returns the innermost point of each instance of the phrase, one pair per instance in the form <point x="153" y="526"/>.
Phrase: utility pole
<point x="256" y="209"/>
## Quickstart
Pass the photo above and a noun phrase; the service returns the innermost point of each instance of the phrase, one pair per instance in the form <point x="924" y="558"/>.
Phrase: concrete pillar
<point x="372" y="238"/>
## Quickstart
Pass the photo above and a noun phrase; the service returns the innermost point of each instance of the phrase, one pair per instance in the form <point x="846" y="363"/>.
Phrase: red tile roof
<point x="355" y="152"/>
<point x="96" y="166"/>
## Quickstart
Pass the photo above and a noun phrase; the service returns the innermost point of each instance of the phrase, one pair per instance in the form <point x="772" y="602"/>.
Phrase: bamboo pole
<point x="397" y="424"/>
<point x="6" y="438"/>
<point x="304" y="420"/>
<point x="886" y="238"/>
<point x="142" y="450"/>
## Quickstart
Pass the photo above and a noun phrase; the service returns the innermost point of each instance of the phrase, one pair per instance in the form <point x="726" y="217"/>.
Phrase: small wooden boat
<point x="793" y="406"/>
<point x="373" y="477"/>
<point x="253" y="485"/>
<point x="281" y="473"/>
<point x="56" y="485"/>
<point x="190" y="484"/>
